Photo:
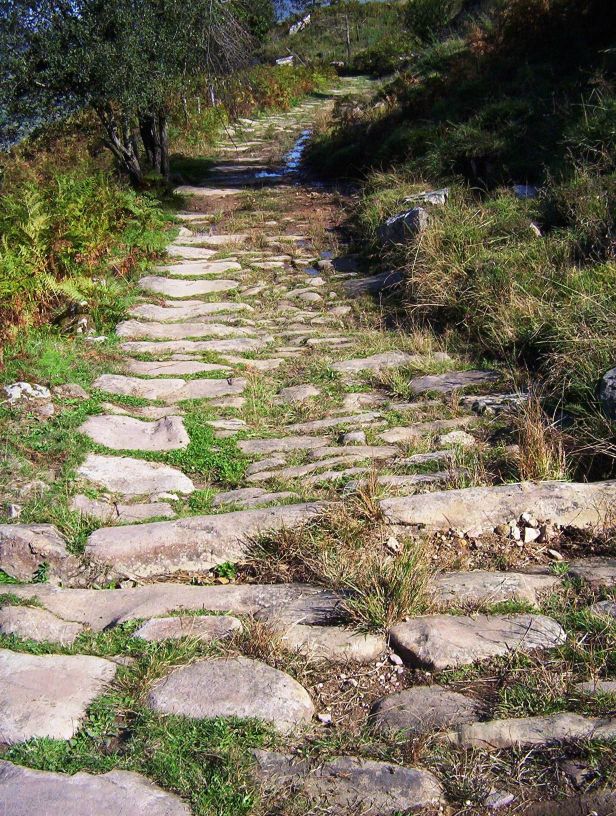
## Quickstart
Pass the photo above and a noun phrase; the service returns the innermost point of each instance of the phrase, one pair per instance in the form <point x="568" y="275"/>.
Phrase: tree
<point x="257" y="16"/>
<point x="125" y="59"/>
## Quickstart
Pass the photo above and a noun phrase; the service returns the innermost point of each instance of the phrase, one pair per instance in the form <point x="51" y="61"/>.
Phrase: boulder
<point x="234" y="687"/>
<point x="133" y="477"/>
<point x="32" y="623"/>
<point x="598" y="572"/>
<point x="334" y="643"/>
<point x="403" y="227"/>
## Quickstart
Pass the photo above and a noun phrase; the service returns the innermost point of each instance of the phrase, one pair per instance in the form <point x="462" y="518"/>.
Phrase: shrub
<point x="427" y="18"/>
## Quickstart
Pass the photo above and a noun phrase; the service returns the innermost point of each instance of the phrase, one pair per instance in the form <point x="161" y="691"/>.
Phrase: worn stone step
<point x="194" y="269"/>
<point x="126" y="433"/>
<point x="133" y="477"/>
<point x="334" y="643"/>
<point x="24" y="791"/>
<point x="47" y="695"/>
<point x="351" y="785"/>
<point x="482" y="509"/>
<point x="251" y="497"/>
<point x="284" y="444"/>
<point x="169" y="390"/>
<point x="234" y="687"/>
<point x="136" y="330"/>
<point x="190" y="253"/>
<point x="172" y="368"/>
<point x="529" y="732"/>
<point x="241" y="345"/>
<point x="25" y="549"/>
<point x="205" y="628"/>
<point x="184" y="288"/>
<point x="186" y="310"/>
<point x="383" y="361"/>
<point x="115" y="512"/>
<point x="436" y="642"/>
<point x="31" y="623"/>
<point x="412" y="433"/>
<point x="452" y="381"/>
<point x="368" y="418"/>
<point x="482" y="587"/>
<point x="282" y="605"/>
<point x="193" y="545"/>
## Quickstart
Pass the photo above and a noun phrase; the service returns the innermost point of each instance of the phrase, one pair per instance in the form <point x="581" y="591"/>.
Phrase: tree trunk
<point x="120" y="140"/>
<point x="163" y="132"/>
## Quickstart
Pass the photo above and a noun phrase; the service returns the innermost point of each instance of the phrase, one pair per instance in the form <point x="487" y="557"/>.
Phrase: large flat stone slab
<point x="25" y="792"/>
<point x="353" y="421"/>
<point x="47" y="695"/>
<point x="194" y="544"/>
<point x="133" y="477"/>
<point x="284" y="444"/>
<point x="281" y="604"/>
<point x="528" y="732"/>
<point x="422" y="710"/>
<point x="484" y="508"/>
<point x="32" y="623"/>
<point x="170" y="390"/>
<point x="412" y="433"/>
<point x="598" y="572"/>
<point x="334" y="643"/>
<point x="483" y="587"/>
<point x="117" y="513"/>
<point x="172" y="368"/>
<point x="452" y="381"/>
<point x="438" y="642"/>
<point x="138" y="330"/>
<point x="235" y="687"/>
<point x="381" y="362"/>
<point x="241" y="345"/>
<point x="201" y="268"/>
<point x="190" y="253"/>
<point x="126" y="433"/>
<point x="25" y="548"/>
<point x="205" y="628"/>
<point x="351" y="785"/>
<point x="185" y="288"/>
<point x="186" y="310"/>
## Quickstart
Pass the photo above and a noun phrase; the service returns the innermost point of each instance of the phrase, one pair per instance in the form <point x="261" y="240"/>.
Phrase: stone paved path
<point x="252" y="333"/>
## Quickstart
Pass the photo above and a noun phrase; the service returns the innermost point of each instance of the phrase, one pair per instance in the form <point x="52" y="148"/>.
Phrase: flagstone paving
<point x="288" y="401"/>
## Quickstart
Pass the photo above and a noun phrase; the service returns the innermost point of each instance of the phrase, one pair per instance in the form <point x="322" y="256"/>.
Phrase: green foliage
<point x="427" y="18"/>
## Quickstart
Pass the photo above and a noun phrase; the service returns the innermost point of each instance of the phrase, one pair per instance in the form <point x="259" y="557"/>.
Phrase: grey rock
<point x="423" y="709"/>
<point x="438" y="642"/>
<point x="354" y="438"/>
<point x="606" y="609"/>
<point x="251" y="497"/>
<point x="126" y="433"/>
<point x="403" y="227"/>
<point x="25" y="548"/>
<point x="533" y="731"/>
<point x="435" y="197"/>
<point x="484" y="508"/>
<point x="283" y="444"/>
<point x="194" y="544"/>
<point x="235" y="687"/>
<point x="24" y="792"/>
<point x="137" y="330"/>
<point x="200" y="269"/>
<point x="26" y="391"/>
<point x="598" y="803"/>
<point x="169" y="390"/>
<point x="133" y="477"/>
<point x="459" y="439"/>
<point x="298" y="393"/>
<point x="70" y="391"/>
<point x="377" y="362"/>
<point x="483" y="587"/>
<point x="374" y="285"/>
<point x="607" y="393"/>
<point x="172" y="368"/>
<point x="281" y="605"/>
<point x="240" y="345"/>
<point x="32" y="623"/>
<point x="47" y="695"/>
<point x="412" y="433"/>
<point x="452" y="381"/>
<point x="184" y="288"/>
<point x="334" y="643"/>
<point x="598" y="572"/>
<point x="498" y="799"/>
<point x="114" y="512"/>
<point x="186" y="310"/>
<point x="265" y="464"/>
<point x="206" y="628"/>
<point x="350" y="784"/>
<point x="367" y="418"/>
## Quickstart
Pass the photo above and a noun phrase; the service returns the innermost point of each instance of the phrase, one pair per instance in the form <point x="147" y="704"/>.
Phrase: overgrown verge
<point x="524" y="96"/>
